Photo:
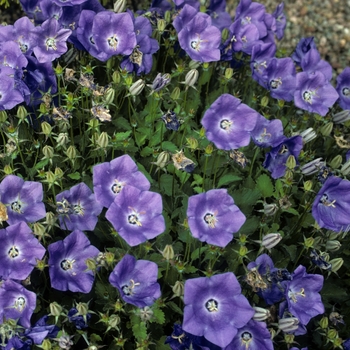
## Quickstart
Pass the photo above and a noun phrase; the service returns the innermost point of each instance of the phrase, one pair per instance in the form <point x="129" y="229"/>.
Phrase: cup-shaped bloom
<point x="137" y="215"/>
<point x="215" y="308"/>
<point x="200" y="39"/>
<point x="23" y="199"/>
<point x="253" y="336"/>
<point x="136" y="281"/>
<point x="343" y="88"/>
<point x="314" y="93"/>
<point x="19" y="250"/>
<point x="67" y="263"/>
<point x="213" y="217"/>
<point x="281" y="21"/>
<point x="110" y="178"/>
<point x="331" y="206"/>
<point x="78" y="208"/>
<point x="16" y="302"/>
<point x="228" y="122"/>
<point x="302" y="295"/>
<point x="41" y="330"/>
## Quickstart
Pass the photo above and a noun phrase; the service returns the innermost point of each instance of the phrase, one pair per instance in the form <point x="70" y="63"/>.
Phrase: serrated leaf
<point x="169" y="146"/>
<point x="227" y="179"/>
<point x="292" y="251"/>
<point x="146" y="151"/>
<point x="265" y="186"/>
<point x="251" y="224"/>
<point x="121" y="136"/>
<point x="74" y="176"/>
<point x="139" y="330"/>
<point x="246" y="197"/>
<point x="122" y="123"/>
<point x="158" y="316"/>
<point x="198" y="189"/>
<point x="190" y="269"/>
<point x="174" y="307"/>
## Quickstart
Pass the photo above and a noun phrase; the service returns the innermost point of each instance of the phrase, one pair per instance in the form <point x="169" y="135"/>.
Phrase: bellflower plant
<point x="210" y="217"/>
<point x="67" y="263"/>
<point x="343" y="88"/>
<point x="208" y="308"/>
<point x="136" y="281"/>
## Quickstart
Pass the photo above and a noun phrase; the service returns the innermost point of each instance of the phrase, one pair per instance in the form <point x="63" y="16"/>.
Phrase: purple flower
<point x="16" y="302"/>
<point x="253" y="336"/>
<point x="302" y="294"/>
<point x="41" y="330"/>
<point x="12" y="56"/>
<point x="19" y="251"/>
<point x="228" y="122"/>
<point x="267" y="132"/>
<point x="136" y="281"/>
<point x="213" y="217"/>
<point x="15" y="343"/>
<point x="67" y="263"/>
<point x="343" y="88"/>
<point x="78" y="208"/>
<point x="110" y="178"/>
<point x="304" y="46"/>
<point x="346" y="344"/>
<point x="331" y="206"/>
<point x="217" y="11"/>
<point x="200" y="39"/>
<point x="275" y="160"/>
<point x="51" y="41"/>
<point x="281" y="21"/>
<point x="209" y="302"/>
<point x="23" y="199"/>
<point x="281" y="78"/>
<point x="137" y="215"/>
<point x="171" y="121"/>
<point x="311" y="62"/>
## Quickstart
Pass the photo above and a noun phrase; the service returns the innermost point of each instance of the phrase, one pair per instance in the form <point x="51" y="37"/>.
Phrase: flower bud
<point x="243" y="251"/>
<point x="48" y="152"/>
<point x="71" y="152"/>
<point x="41" y="265"/>
<point x="113" y="321"/>
<point x="312" y="167"/>
<point x="264" y="101"/>
<point x="116" y="77"/>
<point x="161" y="24"/>
<point x="308" y="135"/>
<point x="289" y="339"/>
<point x="336" y="161"/>
<point x="341" y="117"/>
<point x="91" y="264"/>
<point x="345" y="169"/>
<point x="271" y="240"/>
<point x="119" y="6"/>
<point x="22" y="113"/>
<point x="324" y="322"/>
<point x="178" y="289"/>
<point x="209" y="149"/>
<point x="50" y="219"/>
<point x="308" y="185"/>
<point x="50" y="177"/>
<point x="39" y="229"/>
<point x="193" y="64"/>
<point x="55" y="309"/>
<point x="63" y="139"/>
<point x="46" y="128"/>
<point x="191" y="78"/>
<point x="46" y="344"/>
<point x="289" y="324"/>
<point x="137" y="87"/>
<point x="109" y="258"/>
<point x="59" y="173"/>
<point x="269" y="209"/>
<point x="103" y="140"/>
<point x="162" y="160"/>
<point x="291" y="162"/>
<point x="3" y="116"/>
<point x="175" y="94"/>
<point x="336" y="264"/>
<point x="8" y="170"/>
<point x="260" y="314"/>
<point x="332" y="334"/>
<point x="228" y="73"/>
<point x="326" y="129"/>
<point x="82" y="308"/>
<point x="109" y="96"/>
<point x="309" y="242"/>
<point x="168" y="252"/>
<point x="333" y="245"/>
<point x="160" y="81"/>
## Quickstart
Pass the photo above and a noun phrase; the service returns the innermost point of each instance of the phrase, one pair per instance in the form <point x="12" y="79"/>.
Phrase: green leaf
<point x="198" y="189"/>
<point x="158" y="316"/>
<point x="292" y="211"/>
<point x="251" y="224"/>
<point x="121" y="136"/>
<point x="264" y="184"/>
<point x="74" y="176"/>
<point x="291" y="250"/>
<point x="139" y="329"/>
<point x="41" y="164"/>
<point x="169" y="146"/>
<point x="246" y="197"/>
<point x="174" y="307"/>
<point x="166" y="183"/>
<point x="147" y="151"/>
<point x="227" y="179"/>
<point x="122" y="123"/>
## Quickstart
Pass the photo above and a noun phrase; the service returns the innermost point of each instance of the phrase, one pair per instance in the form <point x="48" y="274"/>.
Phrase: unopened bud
<point x="333" y="245"/>
<point x="209" y="149"/>
<point x="345" y="169"/>
<point x="162" y="159"/>
<point x="336" y="263"/>
<point x="46" y="344"/>
<point x="271" y="240"/>
<point x="312" y="167"/>
<point x="161" y="24"/>
<point x="8" y="169"/>
<point x="109" y="96"/>
<point x="194" y="64"/>
<point x="103" y="140"/>
<point x="59" y="173"/>
<point x="63" y="139"/>
<point x="264" y="101"/>
<point x="38" y="229"/>
<point x="289" y="339"/>
<point x="191" y="78"/>
<point x="341" y="117"/>
<point x="3" y="116"/>
<point x="178" y="289"/>
<point x="270" y="209"/>
<point x="289" y="324"/>
<point x="48" y="152"/>
<point x="46" y="128"/>
<point x="113" y="321"/>
<point x="116" y="77"/>
<point x="260" y="314"/>
<point x="228" y="73"/>
<point x="22" y="113"/>
<point x="71" y="152"/>
<point x="332" y="334"/>
<point x="175" y="94"/>
<point x="119" y="6"/>
<point x="146" y="314"/>
<point x="91" y="264"/>
<point x="324" y="322"/>
<point x="243" y="251"/>
<point x="326" y="129"/>
<point x="309" y="242"/>
<point x="291" y="162"/>
<point x="308" y="185"/>
<point x="168" y="252"/>
<point x="55" y="309"/>
<point x="82" y="308"/>
<point x="336" y="161"/>
<point x="109" y="258"/>
<point x="137" y="87"/>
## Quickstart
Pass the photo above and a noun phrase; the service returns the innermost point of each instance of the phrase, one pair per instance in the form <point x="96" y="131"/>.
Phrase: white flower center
<point x="212" y="305"/>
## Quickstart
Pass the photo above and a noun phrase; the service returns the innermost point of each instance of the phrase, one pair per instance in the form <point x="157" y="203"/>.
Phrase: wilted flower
<point x="78" y="208"/>
<point x="209" y="302"/>
<point x="160" y="82"/>
<point x="137" y="215"/>
<point x="254" y="335"/>
<point x="228" y="122"/>
<point x="41" y="330"/>
<point x="67" y="263"/>
<point x="16" y="302"/>
<point x="213" y="217"/>
<point x="171" y="121"/>
<point x="110" y="178"/>
<point x="181" y="162"/>
<point x="23" y="199"/>
<point x="19" y="251"/>
<point x="80" y="321"/>
<point x="302" y="294"/>
<point x="319" y="260"/>
<point x="136" y="281"/>
<point x="331" y="205"/>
